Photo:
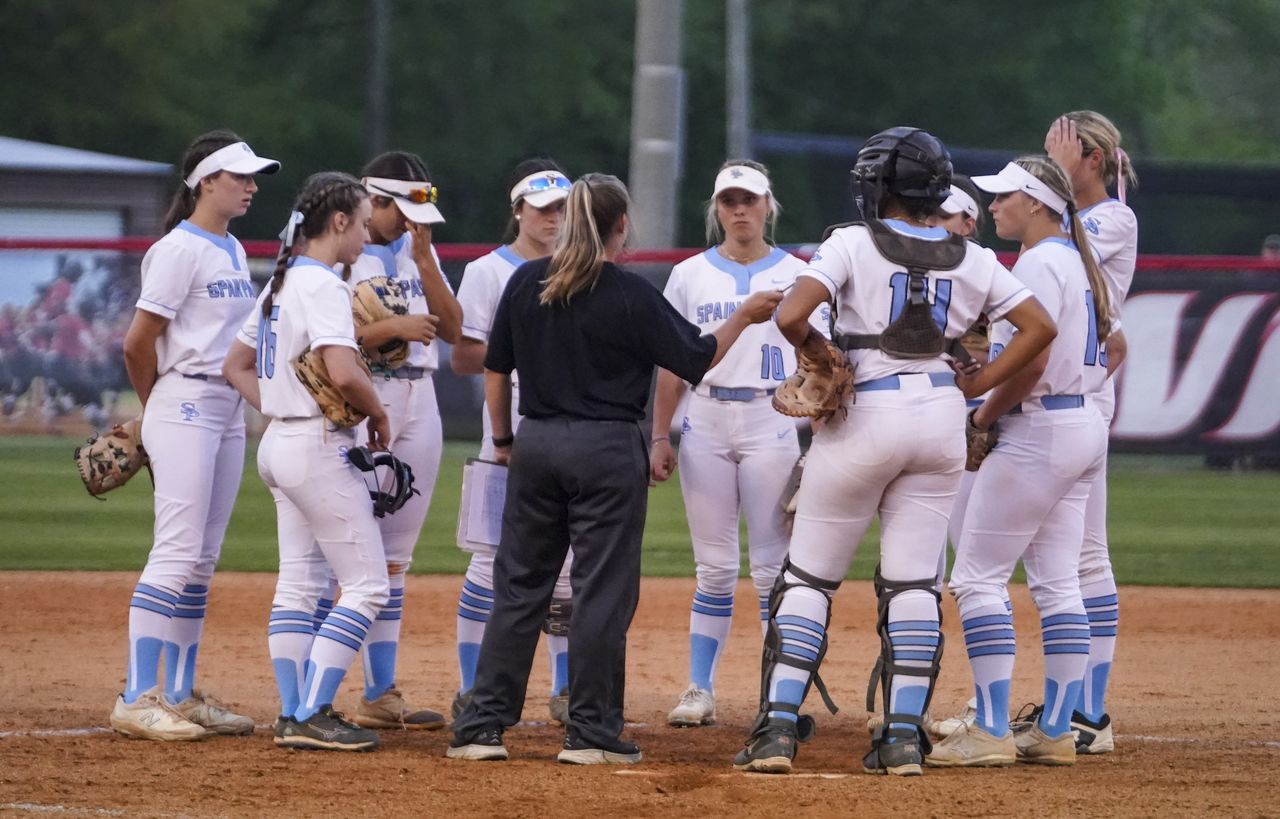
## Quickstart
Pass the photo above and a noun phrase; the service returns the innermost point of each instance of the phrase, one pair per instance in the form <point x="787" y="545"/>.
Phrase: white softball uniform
<point x="193" y="427"/>
<point x="899" y="452"/>
<point x="409" y="394"/>
<point x="1029" y="496"/>
<point x="736" y="452"/>
<point x="324" y="517"/>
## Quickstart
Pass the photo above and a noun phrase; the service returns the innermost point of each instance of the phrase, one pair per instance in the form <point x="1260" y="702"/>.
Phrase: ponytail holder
<point x="291" y="228"/>
<point x="1121" y="160"/>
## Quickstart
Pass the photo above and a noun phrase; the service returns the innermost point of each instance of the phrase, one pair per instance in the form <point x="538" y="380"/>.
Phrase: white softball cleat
<point x="971" y="747"/>
<point x="207" y="711"/>
<point x="150" y="717"/>
<point x="697" y="707"/>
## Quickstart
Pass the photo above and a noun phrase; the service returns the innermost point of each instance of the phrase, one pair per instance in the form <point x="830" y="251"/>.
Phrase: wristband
<point x="503" y="442"/>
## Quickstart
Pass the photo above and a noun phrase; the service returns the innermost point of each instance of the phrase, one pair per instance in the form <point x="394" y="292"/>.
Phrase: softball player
<point x="404" y="211"/>
<point x="195" y="293"/>
<point x="539" y="188"/>
<point x="736" y="452"/>
<point x="1087" y="145"/>
<point x="1029" y="496"/>
<point x="897" y="452"/>
<point x="324" y="518"/>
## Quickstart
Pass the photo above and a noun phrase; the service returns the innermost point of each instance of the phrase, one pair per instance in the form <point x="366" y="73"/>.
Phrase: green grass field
<point x="1172" y="522"/>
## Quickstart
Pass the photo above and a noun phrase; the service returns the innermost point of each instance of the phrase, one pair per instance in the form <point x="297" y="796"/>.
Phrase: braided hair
<point x="183" y="203"/>
<point x="323" y="195"/>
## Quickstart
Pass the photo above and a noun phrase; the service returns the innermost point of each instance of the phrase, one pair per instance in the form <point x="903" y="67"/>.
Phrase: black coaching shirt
<point x="593" y="358"/>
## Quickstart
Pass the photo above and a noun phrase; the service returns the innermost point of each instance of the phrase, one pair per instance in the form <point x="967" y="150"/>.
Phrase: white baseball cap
<point x="1014" y="177"/>
<point x="541" y="188"/>
<point x="237" y="157"/>
<point x="960" y="202"/>
<point x="743" y="177"/>
<point x="415" y="199"/>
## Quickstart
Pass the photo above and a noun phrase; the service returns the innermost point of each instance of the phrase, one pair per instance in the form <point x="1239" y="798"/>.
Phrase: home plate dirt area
<point x="1193" y="701"/>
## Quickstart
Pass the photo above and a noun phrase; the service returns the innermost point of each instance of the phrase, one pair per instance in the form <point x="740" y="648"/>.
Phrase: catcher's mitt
<point x="980" y="442"/>
<point x="376" y="299"/>
<point x="822" y="379"/>
<point x="109" y="459"/>
<point x="314" y="375"/>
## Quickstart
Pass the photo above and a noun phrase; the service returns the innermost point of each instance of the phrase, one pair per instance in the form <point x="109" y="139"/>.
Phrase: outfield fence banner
<point x="1202" y="373"/>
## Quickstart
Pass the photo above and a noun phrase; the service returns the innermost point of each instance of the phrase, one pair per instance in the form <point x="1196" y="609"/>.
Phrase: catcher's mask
<point x="389" y="489"/>
<point x="906" y="162"/>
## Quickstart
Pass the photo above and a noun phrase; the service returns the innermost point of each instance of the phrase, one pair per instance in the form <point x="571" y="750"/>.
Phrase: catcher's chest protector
<point x="914" y="333"/>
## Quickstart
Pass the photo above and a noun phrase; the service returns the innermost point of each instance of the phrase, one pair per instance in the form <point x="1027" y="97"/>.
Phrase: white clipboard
<point x="484" y="494"/>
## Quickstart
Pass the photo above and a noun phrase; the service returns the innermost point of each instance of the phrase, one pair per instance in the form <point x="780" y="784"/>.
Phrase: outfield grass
<point x="1172" y="522"/>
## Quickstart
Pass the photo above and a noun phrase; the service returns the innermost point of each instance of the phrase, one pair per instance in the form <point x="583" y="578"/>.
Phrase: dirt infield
<point x="1193" y="698"/>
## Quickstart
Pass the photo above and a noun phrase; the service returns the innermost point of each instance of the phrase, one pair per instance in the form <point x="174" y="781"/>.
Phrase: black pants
<point x="570" y="482"/>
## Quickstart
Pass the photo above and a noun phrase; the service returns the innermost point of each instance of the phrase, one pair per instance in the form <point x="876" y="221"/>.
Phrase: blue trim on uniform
<point x="385" y="255"/>
<point x="226" y="243"/>
<point x="508" y="255"/>
<point x="307" y="261"/>
<point x="742" y="273"/>
<point x="893" y="382"/>
<point x="932" y="233"/>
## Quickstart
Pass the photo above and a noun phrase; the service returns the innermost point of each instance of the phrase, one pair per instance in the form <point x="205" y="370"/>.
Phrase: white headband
<point x="237" y="157"/>
<point x="1014" y="177"/>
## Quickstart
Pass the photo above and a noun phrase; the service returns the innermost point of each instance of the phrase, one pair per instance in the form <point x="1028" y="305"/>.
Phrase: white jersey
<point x="870" y="291"/>
<point x="200" y="283"/>
<point x="395" y="261"/>
<point x="312" y="310"/>
<point x="1113" y="235"/>
<point x="708" y="288"/>
<point x="1054" y="271"/>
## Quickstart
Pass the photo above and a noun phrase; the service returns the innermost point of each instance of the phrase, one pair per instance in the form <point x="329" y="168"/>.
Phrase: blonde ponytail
<point x="596" y="203"/>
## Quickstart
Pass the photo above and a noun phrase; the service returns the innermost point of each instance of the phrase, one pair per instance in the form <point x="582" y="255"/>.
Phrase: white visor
<point x="742" y="177"/>
<point x="415" y="199"/>
<point x="1014" y="177"/>
<point x="542" y="188"/>
<point x="236" y="158"/>
<point x="960" y="202"/>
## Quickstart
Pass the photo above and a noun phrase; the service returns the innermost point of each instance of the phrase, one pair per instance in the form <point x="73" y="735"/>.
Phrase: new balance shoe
<point x="326" y="730"/>
<point x="150" y="717"/>
<point x="460" y="700"/>
<point x="207" y="711"/>
<point x="971" y="747"/>
<point x="1038" y="748"/>
<point x="944" y="728"/>
<point x="480" y="747"/>
<point x="771" y="749"/>
<point x="558" y="707"/>
<point x="1092" y="737"/>
<point x="391" y="711"/>
<point x="579" y="751"/>
<point x="697" y="707"/>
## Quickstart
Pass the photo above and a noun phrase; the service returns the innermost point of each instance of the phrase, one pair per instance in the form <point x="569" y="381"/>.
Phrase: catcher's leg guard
<point x="558" y="614"/>
<point x="899" y="744"/>
<point x="806" y="655"/>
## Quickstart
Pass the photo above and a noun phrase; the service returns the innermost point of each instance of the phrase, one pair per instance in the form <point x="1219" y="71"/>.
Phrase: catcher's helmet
<point x="389" y="490"/>
<point x="906" y="162"/>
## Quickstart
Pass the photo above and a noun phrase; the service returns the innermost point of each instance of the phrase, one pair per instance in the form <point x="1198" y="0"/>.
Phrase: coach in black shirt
<point x="585" y="336"/>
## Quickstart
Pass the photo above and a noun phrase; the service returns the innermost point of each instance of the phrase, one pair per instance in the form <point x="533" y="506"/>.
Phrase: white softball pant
<point x="1095" y="555"/>
<point x="736" y="458"/>
<point x="1028" y="502"/>
<point x="324" y="518"/>
<point x="193" y="431"/>
<point x="899" y="454"/>
<point x="418" y="440"/>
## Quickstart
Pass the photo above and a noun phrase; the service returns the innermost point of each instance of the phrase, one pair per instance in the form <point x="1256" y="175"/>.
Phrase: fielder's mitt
<point x="314" y="375"/>
<point x="980" y="442"/>
<point x="109" y="459"/>
<point x="822" y="379"/>
<point x="377" y="299"/>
